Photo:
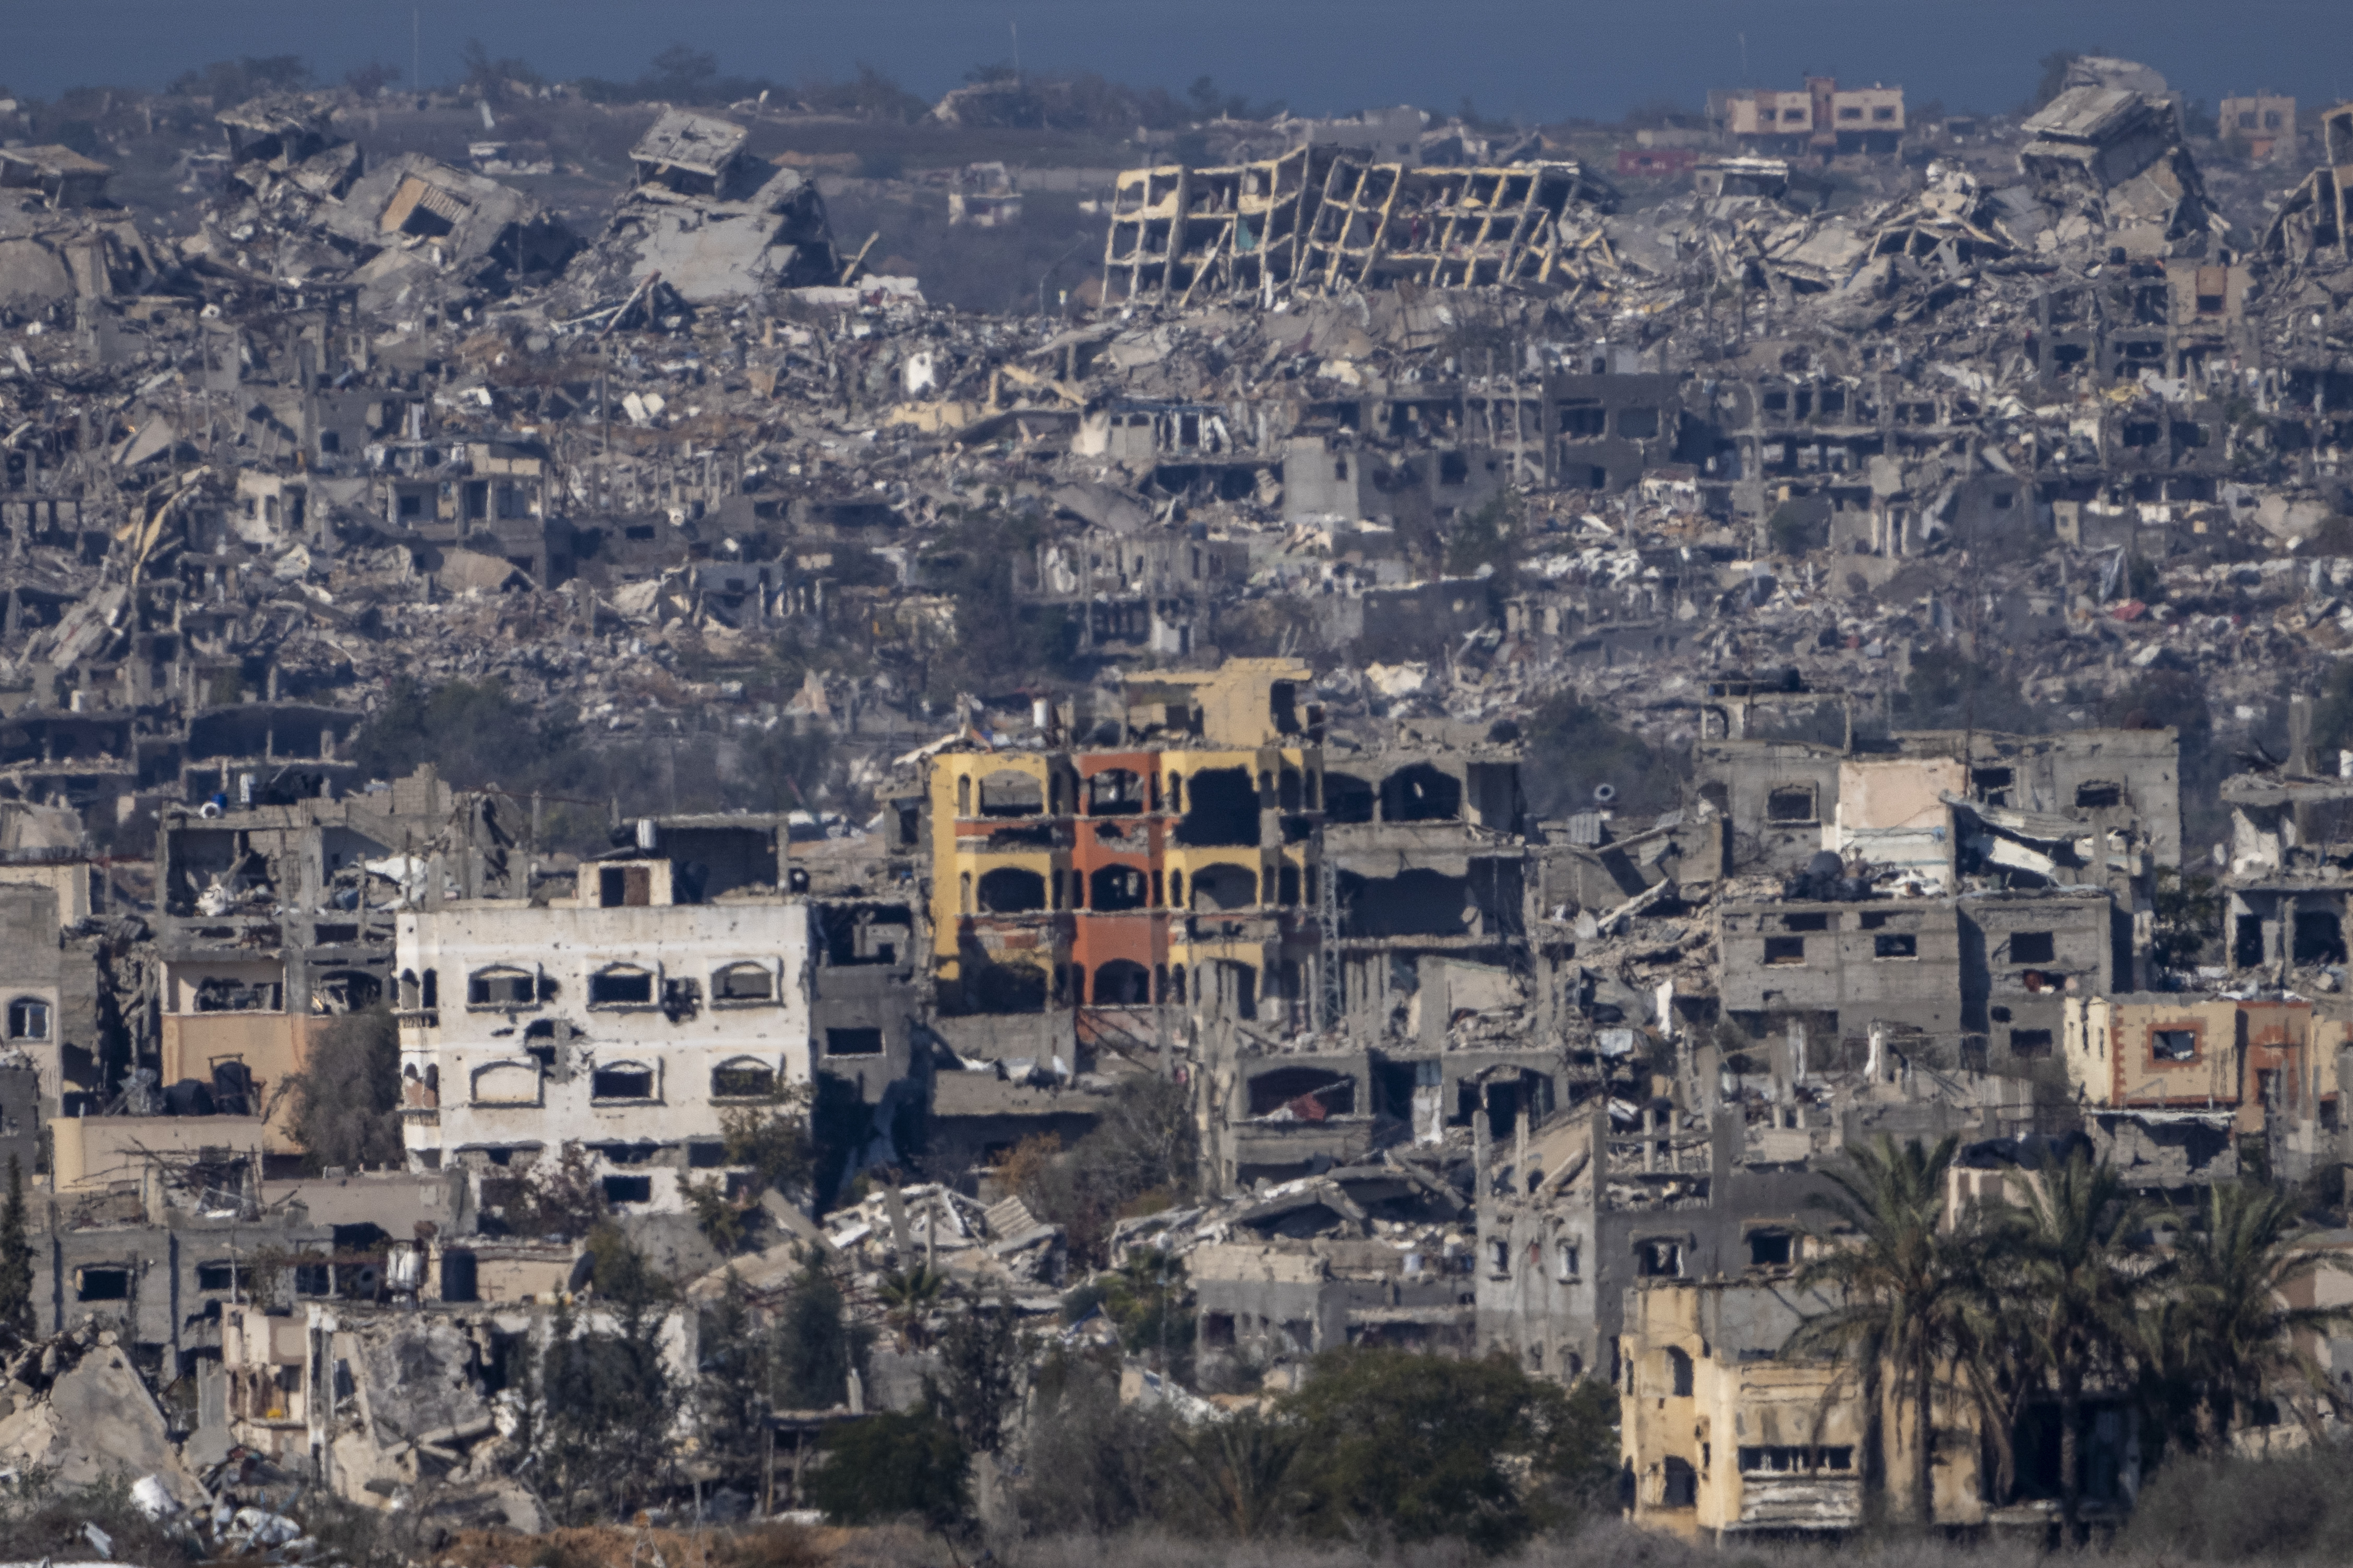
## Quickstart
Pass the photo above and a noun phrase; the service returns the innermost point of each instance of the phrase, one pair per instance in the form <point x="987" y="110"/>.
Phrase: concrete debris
<point x="1534" y="708"/>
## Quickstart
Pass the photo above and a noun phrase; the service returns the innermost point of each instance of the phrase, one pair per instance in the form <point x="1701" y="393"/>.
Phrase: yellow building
<point x="1156" y="859"/>
<point x="1725" y="1435"/>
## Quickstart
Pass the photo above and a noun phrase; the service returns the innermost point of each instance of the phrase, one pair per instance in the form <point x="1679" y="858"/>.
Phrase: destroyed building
<point x="1909" y="509"/>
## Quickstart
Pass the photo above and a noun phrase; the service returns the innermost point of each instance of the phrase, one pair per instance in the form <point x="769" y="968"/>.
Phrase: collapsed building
<point x="1363" y="453"/>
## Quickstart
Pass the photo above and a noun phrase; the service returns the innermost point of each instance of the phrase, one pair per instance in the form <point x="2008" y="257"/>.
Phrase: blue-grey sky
<point x="1539" y="58"/>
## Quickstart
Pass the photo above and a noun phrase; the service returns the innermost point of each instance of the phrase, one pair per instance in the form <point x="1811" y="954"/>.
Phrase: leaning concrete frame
<point x="1325" y="218"/>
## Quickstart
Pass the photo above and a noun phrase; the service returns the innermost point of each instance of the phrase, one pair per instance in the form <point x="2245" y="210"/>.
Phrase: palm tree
<point x="1241" y="1468"/>
<point x="2235" y="1277"/>
<point x="1904" y="1286"/>
<point x="2078" y="1279"/>
<point x="910" y="1296"/>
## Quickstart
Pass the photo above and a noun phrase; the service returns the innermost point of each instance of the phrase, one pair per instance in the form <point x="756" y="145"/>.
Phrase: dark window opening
<point x="102" y="1285"/>
<point x="2174" y="1045"/>
<point x="2032" y="947"/>
<point x="1114" y="792"/>
<point x="217" y="1276"/>
<point x="1223" y="809"/>
<point x="1421" y="793"/>
<point x="2247" y="943"/>
<point x="2319" y="938"/>
<point x="853" y="1042"/>
<point x="1310" y="1093"/>
<point x="1679" y="1366"/>
<point x="628" y="1189"/>
<point x="1819" y="920"/>
<point x="1682" y="1484"/>
<point x="1348" y="798"/>
<point x="1794" y="804"/>
<point x="1768" y="1248"/>
<point x="1010" y="890"/>
<point x="1587" y="422"/>
<point x="2030" y="1043"/>
<point x="500" y="988"/>
<point x="625" y="887"/>
<point x="1115" y="888"/>
<point x="1895" y="944"/>
<point x="1217" y="1328"/>
<point x="621" y="988"/>
<point x="1224" y="887"/>
<point x="1011" y="793"/>
<point x="743" y="983"/>
<point x="630" y="1083"/>
<point x="1658" y="1260"/>
<point x="2097" y="796"/>
<point x="742" y="1080"/>
<point x="1782" y="1459"/>
<point x="1122" y="982"/>
<point x="1785" y="950"/>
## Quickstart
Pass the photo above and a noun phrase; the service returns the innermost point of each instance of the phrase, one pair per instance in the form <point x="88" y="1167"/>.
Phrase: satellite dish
<point x="1605" y="793"/>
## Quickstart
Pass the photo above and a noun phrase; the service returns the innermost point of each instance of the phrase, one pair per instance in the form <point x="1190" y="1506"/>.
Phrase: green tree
<point x="1238" y="1471"/>
<point x="2076" y="1291"/>
<point x="611" y="1403"/>
<point x="15" y="1262"/>
<point x="735" y="1382"/>
<point x="817" y="1346"/>
<point x="891" y="1467"/>
<point x="909" y="1297"/>
<point x="1400" y="1447"/>
<point x="1148" y="1298"/>
<point x="1903" y="1287"/>
<point x="2233" y="1275"/>
<point x="982" y="1357"/>
<point x="1091" y="1464"/>
<point x="1140" y="1156"/>
<point x="345" y="1101"/>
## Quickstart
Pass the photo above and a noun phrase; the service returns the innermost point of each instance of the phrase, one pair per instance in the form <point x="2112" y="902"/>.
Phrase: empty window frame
<point x="2032" y="1043"/>
<point x="746" y="1078"/>
<point x="1770" y="1248"/>
<point x="1785" y="950"/>
<point x="2173" y="1045"/>
<point x="621" y="985"/>
<point x="2032" y="947"/>
<point x="1789" y="803"/>
<point x="501" y="985"/>
<point x="743" y="983"/>
<point x="1658" y="1258"/>
<point x="28" y="1019"/>
<point x="1895" y="944"/>
<point x="625" y="887"/>
<point x="628" y="1189"/>
<point x="853" y="1042"/>
<point x="1767" y="1459"/>
<point x="102" y="1282"/>
<point x="622" y="1081"/>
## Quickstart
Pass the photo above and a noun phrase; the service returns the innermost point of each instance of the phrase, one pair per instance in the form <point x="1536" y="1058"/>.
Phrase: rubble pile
<point x="1532" y="709"/>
